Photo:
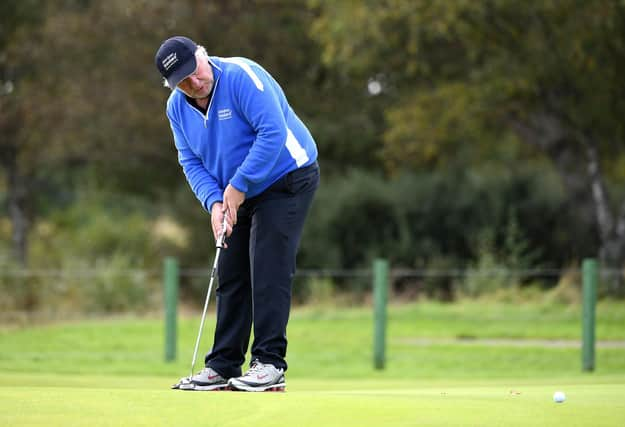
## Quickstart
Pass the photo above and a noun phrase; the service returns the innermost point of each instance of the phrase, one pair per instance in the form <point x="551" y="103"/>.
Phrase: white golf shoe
<point x="260" y="377"/>
<point x="205" y="380"/>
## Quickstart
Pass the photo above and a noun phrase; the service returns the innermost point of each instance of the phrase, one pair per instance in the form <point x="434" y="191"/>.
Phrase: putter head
<point x="184" y="384"/>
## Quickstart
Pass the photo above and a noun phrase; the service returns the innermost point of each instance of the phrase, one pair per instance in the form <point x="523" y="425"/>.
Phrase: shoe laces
<point x="206" y="371"/>
<point x="256" y="368"/>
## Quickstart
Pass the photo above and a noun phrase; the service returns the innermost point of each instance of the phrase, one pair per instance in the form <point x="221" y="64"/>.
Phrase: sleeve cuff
<point x="208" y="204"/>
<point x="239" y="182"/>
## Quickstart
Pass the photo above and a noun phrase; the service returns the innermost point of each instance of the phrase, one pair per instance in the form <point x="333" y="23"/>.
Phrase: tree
<point x="16" y="18"/>
<point x="473" y="74"/>
<point x="85" y="95"/>
<point x="57" y="101"/>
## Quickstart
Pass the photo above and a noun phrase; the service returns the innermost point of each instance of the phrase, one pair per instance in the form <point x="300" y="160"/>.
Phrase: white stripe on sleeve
<point x="295" y="149"/>
<point x="246" y="67"/>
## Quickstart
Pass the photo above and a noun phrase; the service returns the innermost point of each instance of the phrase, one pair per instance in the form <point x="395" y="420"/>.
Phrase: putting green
<point x="42" y="399"/>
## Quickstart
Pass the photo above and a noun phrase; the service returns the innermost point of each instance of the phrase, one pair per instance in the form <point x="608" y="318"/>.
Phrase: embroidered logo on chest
<point x="224" y="114"/>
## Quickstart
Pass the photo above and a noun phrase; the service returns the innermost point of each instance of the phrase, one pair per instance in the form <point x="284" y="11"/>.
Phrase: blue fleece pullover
<point x="249" y="136"/>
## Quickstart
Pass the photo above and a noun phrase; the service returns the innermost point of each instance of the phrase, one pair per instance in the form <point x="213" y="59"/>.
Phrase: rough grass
<point x="337" y="342"/>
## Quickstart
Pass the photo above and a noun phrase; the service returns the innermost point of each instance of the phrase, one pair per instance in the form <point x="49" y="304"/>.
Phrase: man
<point x="246" y="155"/>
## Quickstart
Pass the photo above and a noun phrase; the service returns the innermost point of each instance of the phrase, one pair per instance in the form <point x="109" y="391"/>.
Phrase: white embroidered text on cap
<point x="170" y="60"/>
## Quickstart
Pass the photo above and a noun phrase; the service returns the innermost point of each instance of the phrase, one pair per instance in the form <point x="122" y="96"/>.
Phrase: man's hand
<point x="233" y="198"/>
<point x="217" y="219"/>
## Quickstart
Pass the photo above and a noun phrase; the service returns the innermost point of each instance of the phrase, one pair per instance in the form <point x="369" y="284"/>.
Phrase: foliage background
<point x="495" y="140"/>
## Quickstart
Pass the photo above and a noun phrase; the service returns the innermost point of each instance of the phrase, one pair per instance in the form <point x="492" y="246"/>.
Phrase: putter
<point x="185" y="382"/>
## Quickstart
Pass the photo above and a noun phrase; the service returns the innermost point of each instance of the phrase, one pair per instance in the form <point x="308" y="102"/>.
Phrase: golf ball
<point x="559" y="397"/>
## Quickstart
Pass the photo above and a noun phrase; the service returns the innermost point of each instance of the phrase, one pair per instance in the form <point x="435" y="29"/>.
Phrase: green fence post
<point x="170" y="274"/>
<point x="589" y="273"/>
<point x="380" y="295"/>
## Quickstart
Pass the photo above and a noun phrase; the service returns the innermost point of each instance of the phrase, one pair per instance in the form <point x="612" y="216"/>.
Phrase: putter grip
<point x="222" y="235"/>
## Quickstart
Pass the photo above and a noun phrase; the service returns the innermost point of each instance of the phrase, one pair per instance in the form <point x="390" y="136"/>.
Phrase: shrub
<point x="413" y="219"/>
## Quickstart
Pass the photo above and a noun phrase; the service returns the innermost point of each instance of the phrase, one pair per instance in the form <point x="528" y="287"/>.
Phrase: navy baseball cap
<point x="175" y="59"/>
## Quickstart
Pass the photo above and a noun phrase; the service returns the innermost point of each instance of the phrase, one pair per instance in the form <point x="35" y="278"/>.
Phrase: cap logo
<point x="170" y="60"/>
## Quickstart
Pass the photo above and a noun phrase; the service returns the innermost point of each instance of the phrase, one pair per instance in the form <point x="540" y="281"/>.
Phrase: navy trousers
<point x="256" y="273"/>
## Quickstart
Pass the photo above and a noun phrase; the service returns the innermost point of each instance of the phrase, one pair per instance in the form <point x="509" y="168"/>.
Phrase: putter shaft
<point x="219" y="246"/>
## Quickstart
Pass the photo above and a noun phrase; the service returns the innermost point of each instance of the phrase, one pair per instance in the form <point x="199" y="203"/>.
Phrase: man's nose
<point x="195" y="82"/>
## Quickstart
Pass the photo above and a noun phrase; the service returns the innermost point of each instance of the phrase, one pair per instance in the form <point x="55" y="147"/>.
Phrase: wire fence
<point x="397" y="273"/>
<point x="310" y="272"/>
<point x="63" y="292"/>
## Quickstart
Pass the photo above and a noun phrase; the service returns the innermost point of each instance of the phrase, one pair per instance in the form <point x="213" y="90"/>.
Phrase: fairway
<point x="102" y="401"/>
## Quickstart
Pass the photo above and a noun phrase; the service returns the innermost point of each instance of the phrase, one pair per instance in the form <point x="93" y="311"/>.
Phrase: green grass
<point x="111" y="372"/>
<point x="50" y="400"/>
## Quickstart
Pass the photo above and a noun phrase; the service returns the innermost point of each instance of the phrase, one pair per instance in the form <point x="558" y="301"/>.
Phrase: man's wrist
<point x="216" y="205"/>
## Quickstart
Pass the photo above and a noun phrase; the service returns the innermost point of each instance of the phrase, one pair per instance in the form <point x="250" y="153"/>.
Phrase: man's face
<point x="199" y="84"/>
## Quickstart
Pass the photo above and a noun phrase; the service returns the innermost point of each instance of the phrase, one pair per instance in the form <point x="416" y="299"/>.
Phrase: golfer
<point x="246" y="155"/>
